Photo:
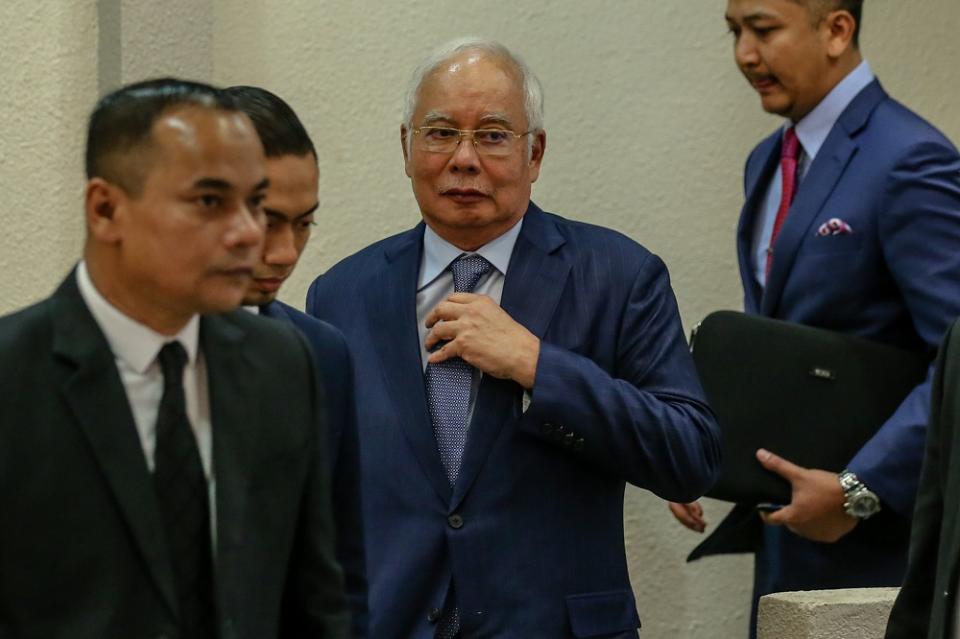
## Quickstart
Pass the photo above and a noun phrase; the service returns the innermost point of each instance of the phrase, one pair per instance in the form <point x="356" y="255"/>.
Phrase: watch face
<point x="863" y="505"/>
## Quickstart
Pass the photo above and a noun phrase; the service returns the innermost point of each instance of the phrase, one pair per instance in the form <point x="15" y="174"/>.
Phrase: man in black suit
<point x="927" y="603"/>
<point x="158" y="478"/>
<point x="290" y="205"/>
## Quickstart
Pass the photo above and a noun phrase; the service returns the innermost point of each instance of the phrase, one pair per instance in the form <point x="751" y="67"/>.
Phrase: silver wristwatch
<point x="861" y="502"/>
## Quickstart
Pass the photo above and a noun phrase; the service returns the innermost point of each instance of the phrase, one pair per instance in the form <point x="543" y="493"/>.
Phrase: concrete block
<point x="858" y="613"/>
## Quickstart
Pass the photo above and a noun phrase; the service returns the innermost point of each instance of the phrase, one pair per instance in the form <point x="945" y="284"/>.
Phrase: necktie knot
<point x="791" y="145"/>
<point x="172" y="358"/>
<point x="467" y="271"/>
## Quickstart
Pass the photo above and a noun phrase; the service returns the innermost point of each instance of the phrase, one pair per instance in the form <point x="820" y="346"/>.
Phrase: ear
<point x="406" y="151"/>
<point x="102" y="203"/>
<point x="840" y="27"/>
<point x="536" y="153"/>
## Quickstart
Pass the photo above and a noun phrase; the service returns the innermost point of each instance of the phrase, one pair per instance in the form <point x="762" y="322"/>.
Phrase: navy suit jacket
<point x="532" y="532"/>
<point x="895" y="180"/>
<point x="336" y="372"/>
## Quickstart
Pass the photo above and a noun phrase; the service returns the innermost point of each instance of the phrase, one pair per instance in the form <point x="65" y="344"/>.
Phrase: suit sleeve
<point x="911" y="611"/>
<point x="314" y="604"/>
<point x="646" y="421"/>
<point x="347" y="503"/>
<point x="919" y="232"/>
<point x="312" y="304"/>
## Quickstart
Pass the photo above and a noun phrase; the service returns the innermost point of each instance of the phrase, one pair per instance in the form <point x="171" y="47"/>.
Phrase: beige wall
<point x="648" y="125"/>
<point x="48" y="62"/>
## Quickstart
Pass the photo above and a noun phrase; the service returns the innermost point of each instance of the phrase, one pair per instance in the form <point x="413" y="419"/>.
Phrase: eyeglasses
<point x="494" y="142"/>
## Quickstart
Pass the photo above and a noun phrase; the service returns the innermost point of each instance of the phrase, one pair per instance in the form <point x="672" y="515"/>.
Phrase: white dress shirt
<point x="135" y="348"/>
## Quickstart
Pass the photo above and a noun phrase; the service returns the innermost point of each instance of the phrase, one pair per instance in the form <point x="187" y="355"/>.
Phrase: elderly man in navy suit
<point x="517" y="368"/>
<point x="290" y="204"/>
<point x="851" y="223"/>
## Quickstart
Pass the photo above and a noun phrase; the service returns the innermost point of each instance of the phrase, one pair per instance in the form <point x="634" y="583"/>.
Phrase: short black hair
<point x="278" y="126"/>
<point x="853" y="7"/>
<point x="122" y="121"/>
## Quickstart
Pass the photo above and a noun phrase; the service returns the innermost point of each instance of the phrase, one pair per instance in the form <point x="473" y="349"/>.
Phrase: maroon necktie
<point x="789" y="153"/>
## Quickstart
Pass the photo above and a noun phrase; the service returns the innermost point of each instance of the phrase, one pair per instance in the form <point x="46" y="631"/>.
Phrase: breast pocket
<point x="833" y="244"/>
<point x="610" y="614"/>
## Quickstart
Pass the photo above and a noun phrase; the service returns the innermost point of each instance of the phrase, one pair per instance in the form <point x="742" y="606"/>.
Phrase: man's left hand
<point x="816" y="506"/>
<point x="475" y="328"/>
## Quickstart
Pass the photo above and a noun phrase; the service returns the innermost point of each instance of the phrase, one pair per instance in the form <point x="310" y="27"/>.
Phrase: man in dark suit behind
<point x="927" y="604"/>
<point x="290" y="205"/>
<point x="158" y="478"/>
<point x="851" y="223"/>
<point x="517" y="368"/>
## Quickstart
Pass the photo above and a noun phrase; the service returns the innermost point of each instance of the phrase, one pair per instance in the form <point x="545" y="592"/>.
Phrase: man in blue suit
<point x="516" y="369"/>
<point x="290" y="204"/>
<point x="851" y="223"/>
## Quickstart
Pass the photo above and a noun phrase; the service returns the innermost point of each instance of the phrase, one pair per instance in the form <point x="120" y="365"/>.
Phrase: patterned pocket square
<point x="834" y="226"/>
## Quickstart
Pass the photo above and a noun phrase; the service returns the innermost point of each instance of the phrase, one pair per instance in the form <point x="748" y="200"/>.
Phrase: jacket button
<point x="568" y="439"/>
<point x="578" y="445"/>
<point x="433" y="615"/>
<point x="455" y="521"/>
<point x="546" y="428"/>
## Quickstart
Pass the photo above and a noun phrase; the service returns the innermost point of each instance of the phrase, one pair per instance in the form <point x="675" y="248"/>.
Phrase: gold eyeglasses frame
<point x="471" y="133"/>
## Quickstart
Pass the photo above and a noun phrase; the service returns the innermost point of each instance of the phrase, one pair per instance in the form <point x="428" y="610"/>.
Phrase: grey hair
<point x="532" y="89"/>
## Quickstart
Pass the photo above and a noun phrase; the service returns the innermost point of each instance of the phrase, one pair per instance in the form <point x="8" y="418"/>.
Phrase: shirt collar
<point x="813" y="128"/>
<point x="439" y="253"/>
<point x="131" y="341"/>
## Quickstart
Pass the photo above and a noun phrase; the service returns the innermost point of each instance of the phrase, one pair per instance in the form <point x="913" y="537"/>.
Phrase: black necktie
<point x="181" y="488"/>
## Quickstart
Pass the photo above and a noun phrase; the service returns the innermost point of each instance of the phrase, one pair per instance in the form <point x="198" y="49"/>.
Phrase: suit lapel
<point x="536" y="278"/>
<point x="390" y="299"/>
<point x="230" y="375"/>
<point x="756" y="190"/>
<point x="97" y="398"/>
<point x="825" y="173"/>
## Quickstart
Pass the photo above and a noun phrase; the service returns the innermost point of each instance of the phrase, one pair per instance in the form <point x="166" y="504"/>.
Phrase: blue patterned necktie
<point x="449" y="382"/>
<point x="448" y="395"/>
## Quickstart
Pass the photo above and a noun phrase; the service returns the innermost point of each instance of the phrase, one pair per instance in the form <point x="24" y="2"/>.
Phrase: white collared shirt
<point x="135" y="348"/>
<point x="812" y="132"/>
